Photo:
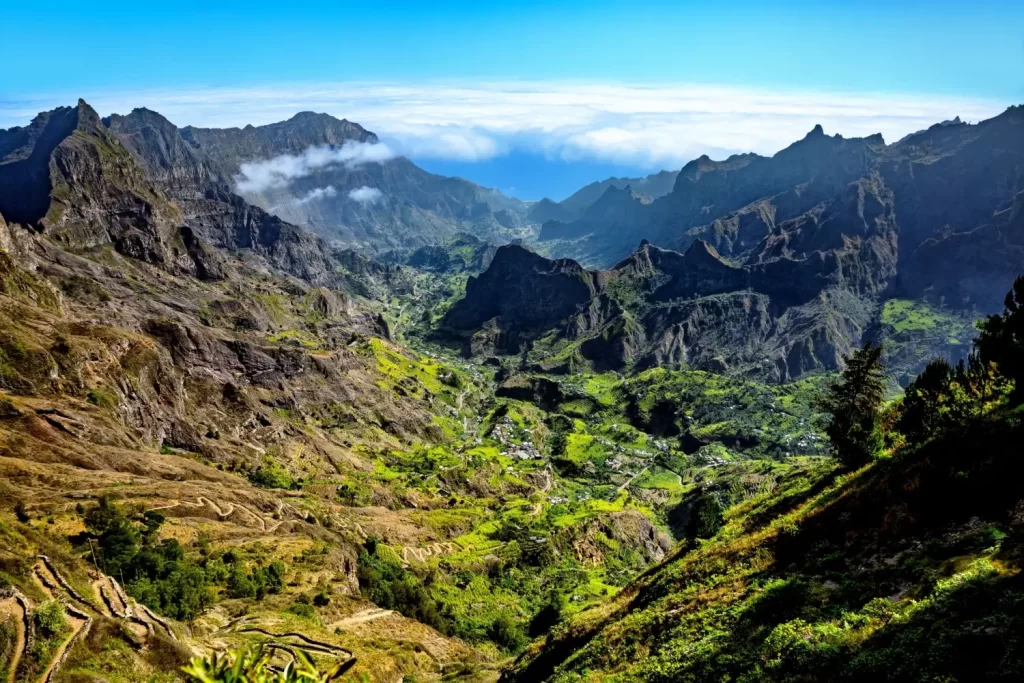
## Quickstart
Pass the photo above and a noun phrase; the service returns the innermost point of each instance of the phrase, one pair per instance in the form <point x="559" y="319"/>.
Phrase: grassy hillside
<point x="906" y="569"/>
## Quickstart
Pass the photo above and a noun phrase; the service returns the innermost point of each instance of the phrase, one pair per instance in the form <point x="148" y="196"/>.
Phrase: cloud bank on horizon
<point x="651" y="125"/>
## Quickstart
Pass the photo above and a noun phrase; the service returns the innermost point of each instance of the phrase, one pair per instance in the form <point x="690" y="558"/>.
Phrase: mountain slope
<point x="798" y="303"/>
<point x="572" y="207"/>
<point x="953" y="185"/>
<point x="908" y="569"/>
<point x="385" y="204"/>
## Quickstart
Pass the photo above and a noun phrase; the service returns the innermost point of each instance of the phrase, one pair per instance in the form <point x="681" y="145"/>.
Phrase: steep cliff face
<point x="93" y="192"/>
<point x="958" y="199"/>
<point x="200" y="187"/>
<point x="523" y="294"/>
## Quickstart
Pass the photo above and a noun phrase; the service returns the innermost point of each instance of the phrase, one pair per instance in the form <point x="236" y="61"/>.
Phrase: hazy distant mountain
<point x="384" y="203"/>
<point x="571" y="208"/>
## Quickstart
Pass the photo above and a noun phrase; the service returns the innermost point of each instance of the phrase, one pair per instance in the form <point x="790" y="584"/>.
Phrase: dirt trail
<point x="632" y="479"/>
<point x="362" y="617"/>
<point x="303" y="642"/>
<point x="224" y="512"/>
<point x="80" y="623"/>
<point x="17" y="606"/>
<point x="431" y="550"/>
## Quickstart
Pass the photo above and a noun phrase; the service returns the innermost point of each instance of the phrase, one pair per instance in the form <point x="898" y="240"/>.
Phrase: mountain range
<point x="409" y="431"/>
<point x="386" y="204"/>
<point x="574" y="206"/>
<point x="783" y="263"/>
<point x="951" y="184"/>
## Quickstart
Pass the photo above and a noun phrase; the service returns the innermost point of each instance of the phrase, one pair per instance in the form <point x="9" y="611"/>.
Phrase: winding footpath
<point x="109" y="601"/>
<point x="18" y="606"/>
<point x="223" y="513"/>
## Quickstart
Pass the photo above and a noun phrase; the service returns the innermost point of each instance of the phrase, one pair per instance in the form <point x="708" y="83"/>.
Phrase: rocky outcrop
<point x="462" y="253"/>
<point x="524" y="294"/>
<point x="199" y="186"/>
<point x="74" y="181"/>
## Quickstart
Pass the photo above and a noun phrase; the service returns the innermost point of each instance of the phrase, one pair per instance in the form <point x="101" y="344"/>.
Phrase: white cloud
<point x="318" y="193"/>
<point x="662" y="125"/>
<point x="451" y="143"/>
<point x="365" y="195"/>
<point x="280" y="171"/>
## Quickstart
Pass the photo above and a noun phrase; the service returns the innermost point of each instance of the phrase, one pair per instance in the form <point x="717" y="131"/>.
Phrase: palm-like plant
<point x="253" y="666"/>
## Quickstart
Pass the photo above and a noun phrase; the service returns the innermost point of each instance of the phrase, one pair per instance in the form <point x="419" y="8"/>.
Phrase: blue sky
<point x="931" y="59"/>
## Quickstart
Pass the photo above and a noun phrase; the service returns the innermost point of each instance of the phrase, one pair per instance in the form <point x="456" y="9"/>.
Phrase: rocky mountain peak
<point x="87" y="116"/>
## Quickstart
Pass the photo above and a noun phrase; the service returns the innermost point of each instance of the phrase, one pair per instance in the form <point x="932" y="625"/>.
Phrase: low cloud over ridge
<point x="318" y="193"/>
<point x="257" y="176"/>
<point x="365" y="195"/>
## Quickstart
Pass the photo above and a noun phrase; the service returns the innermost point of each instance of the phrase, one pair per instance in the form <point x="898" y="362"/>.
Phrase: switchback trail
<point x="18" y="606"/>
<point x="225" y="512"/>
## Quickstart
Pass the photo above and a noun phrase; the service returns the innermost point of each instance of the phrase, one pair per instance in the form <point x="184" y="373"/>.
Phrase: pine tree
<point x="853" y="405"/>
<point x="1002" y="339"/>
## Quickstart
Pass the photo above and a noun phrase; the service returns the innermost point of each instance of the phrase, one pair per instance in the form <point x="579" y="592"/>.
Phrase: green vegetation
<point x="271" y="475"/>
<point x="253" y="666"/>
<point x="384" y="580"/>
<point x="907" y="568"/>
<point x="904" y="315"/>
<point x="158" y="573"/>
<point x="853" y="405"/>
<point x="913" y="332"/>
<point x="1002" y="337"/>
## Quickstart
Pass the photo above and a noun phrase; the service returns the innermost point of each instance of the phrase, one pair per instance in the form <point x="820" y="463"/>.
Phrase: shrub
<point x="271" y="475"/>
<point x="50" y="619"/>
<point x="705" y="518"/>
<point x="508" y="633"/>
<point x="21" y="512"/>
<point x="303" y="609"/>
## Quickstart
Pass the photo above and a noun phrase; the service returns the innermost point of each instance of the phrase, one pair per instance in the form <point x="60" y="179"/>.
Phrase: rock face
<point x="525" y="293"/>
<point x="69" y="176"/>
<point x="196" y="182"/>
